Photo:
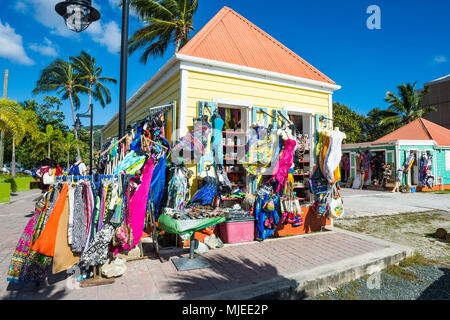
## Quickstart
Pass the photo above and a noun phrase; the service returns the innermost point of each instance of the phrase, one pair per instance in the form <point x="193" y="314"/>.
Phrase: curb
<point x="312" y="282"/>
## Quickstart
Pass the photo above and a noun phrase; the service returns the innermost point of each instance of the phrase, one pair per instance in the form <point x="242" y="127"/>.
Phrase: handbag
<point x="48" y="177"/>
<point x="318" y="183"/>
<point x="336" y="204"/>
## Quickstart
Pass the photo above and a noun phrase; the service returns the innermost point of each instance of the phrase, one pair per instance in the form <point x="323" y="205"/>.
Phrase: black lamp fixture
<point x="77" y="124"/>
<point x="78" y="14"/>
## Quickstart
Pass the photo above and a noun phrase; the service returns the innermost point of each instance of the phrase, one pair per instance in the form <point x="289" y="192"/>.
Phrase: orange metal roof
<point x="420" y="129"/>
<point x="229" y="37"/>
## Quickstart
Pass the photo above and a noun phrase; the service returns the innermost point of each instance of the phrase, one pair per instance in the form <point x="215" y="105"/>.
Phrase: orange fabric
<point x="63" y="257"/>
<point x="337" y="174"/>
<point x="45" y="244"/>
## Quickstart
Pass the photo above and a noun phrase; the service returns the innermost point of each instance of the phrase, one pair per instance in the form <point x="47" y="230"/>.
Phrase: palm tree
<point x="166" y="21"/>
<point x="16" y="122"/>
<point x="67" y="144"/>
<point x="407" y="107"/>
<point x="90" y="77"/>
<point x="47" y="139"/>
<point x="60" y="76"/>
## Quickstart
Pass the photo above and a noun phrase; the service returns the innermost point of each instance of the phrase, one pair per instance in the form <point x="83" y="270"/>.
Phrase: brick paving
<point x="233" y="266"/>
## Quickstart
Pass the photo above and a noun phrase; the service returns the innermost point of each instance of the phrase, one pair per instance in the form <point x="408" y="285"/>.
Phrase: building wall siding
<point x="167" y="92"/>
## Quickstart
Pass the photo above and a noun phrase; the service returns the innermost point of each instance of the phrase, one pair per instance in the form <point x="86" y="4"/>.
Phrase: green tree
<point x="405" y="108"/>
<point x="46" y="140"/>
<point x="61" y="77"/>
<point x="16" y="122"/>
<point x="67" y="144"/>
<point x="47" y="113"/>
<point x="373" y="129"/>
<point x="166" y="21"/>
<point x="349" y="122"/>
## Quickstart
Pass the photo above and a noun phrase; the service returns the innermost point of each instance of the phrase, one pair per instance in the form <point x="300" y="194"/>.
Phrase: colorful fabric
<point x="23" y="247"/>
<point x="258" y="151"/>
<point x="177" y="189"/>
<point x="281" y="170"/>
<point x="45" y="244"/>
<point x="266" y="222"/>
<point x="63" y="257"/>
<point x="207" y="194"/>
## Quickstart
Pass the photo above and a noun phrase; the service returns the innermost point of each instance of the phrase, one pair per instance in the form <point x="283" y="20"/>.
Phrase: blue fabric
<point x="158" y="183"/>
<point x="206" y="194"/>
<point x="217" y="139"/>
<point x="261" y="216"/>
<point x="136" y="144"/>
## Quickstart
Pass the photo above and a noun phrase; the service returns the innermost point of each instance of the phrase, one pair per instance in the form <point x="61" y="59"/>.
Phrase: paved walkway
<point x="238" y="271"/>
<point x="360" y="203"/>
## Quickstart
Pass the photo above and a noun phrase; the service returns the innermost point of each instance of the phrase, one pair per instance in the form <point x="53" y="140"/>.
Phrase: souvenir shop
<point x="257" y="180"/>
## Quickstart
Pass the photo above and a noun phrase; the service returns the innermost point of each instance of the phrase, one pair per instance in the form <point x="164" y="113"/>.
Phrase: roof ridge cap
<point x="426" y="128"/>
<point x="279" y="44"/>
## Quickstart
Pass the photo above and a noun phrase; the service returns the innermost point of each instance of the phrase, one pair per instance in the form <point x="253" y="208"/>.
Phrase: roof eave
<point x="261" y="72"/>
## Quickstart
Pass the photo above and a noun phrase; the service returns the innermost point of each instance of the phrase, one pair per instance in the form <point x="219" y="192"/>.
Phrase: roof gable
<point x="229" y="37"/>
<point x="420" y="129"/>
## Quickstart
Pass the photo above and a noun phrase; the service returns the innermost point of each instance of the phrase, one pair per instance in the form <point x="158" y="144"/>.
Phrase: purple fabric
<point x="138" y="206"/>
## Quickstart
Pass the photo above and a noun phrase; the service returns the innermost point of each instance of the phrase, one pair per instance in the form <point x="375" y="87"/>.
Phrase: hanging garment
<point x="266" y="221"/>
<point x="207" y="194"/>
<point x="136" y="144"/>
<point x="19" y="257"/>
<point x="259" y="151"/>
<point x="128" y="161"/>
<point x="177" y="189"/>
<point x="138" y="205"/>
<point x="192" y="144"/>
<point x="333" y="157"/>
<point x="217" y="138"/>
<point x="97" y="251"/>
<point x="71" y="195"/>
<point x="63" y="257"/>
<point x="45" y="244"/>
<point x="158" y="183"/>
<point x="80" y="218"/>
<point x="40" y="222"/>
<point x="281" y="170"/>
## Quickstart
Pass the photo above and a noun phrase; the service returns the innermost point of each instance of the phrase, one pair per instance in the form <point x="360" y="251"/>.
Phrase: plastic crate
<point x="237" y="231"/>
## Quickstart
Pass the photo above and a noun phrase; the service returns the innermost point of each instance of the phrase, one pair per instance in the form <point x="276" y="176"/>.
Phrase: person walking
<point x="78" y="168"/>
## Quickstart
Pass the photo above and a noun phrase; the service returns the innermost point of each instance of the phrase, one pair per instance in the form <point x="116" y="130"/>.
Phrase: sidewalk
<point x="285" y="268"/>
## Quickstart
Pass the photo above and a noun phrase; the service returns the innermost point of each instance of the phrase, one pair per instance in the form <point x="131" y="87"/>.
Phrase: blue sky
<point x="413" y="44"/>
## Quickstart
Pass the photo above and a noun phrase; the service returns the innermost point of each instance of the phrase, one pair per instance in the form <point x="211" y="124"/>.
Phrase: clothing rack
<point x="278" y="113"/>
<point x="100" y="176"/>
<point x="113" y="145"/>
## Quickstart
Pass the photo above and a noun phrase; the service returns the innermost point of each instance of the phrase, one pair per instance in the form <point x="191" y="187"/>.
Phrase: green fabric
<point x="186" y="227"/>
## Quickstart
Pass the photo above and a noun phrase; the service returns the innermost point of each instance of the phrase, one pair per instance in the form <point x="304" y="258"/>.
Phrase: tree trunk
<point x="74" y="120"/>
<point x="178" y="44"/>
<point x="13" y="158"/>
<point x="49" y="150"/>
<point x="2" y="148"/>
<point x="68" y="163"/>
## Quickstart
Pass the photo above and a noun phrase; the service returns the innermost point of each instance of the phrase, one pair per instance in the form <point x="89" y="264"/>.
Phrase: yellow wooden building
<point x="231" y="63"/>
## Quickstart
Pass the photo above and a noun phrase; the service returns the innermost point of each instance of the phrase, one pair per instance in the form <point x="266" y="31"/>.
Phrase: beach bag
<point x="336" y="204"/>
<point x="48" y="178"/>
<point x="269" y="206"/>
<point x="322" y="204"/>
<point x="318" y="183"/>
<point x="123" y="235"/>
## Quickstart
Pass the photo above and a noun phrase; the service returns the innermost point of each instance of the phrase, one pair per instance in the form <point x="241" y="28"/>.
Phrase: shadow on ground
<point x="232" y="274"/>
<point x="438" y="290"/>
<point x="43" y="291"/>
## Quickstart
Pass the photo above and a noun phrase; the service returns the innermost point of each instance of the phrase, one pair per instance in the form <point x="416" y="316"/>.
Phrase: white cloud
<point x="44" y="12"/>
<point x="11" y="46"/>
<point x="440" y="59"/>
<point x="108" y="35"/>
<point x="47" y="48"/>
<point x="20" y="6"/>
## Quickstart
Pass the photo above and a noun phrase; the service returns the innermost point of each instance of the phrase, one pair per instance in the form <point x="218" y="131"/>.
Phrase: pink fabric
<point x="281" y="170"/>
<point x="138" y="206"/>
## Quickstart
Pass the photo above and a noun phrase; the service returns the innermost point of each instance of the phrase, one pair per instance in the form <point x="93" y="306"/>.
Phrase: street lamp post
<point x="91" y="140"/>
<point x="78" y="15"/>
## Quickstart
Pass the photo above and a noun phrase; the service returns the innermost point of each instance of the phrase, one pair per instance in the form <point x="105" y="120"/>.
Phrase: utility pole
<point x="2" y="134"/>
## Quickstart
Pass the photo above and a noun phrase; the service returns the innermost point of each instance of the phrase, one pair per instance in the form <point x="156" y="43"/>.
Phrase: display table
<point x="188" y="228"/>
